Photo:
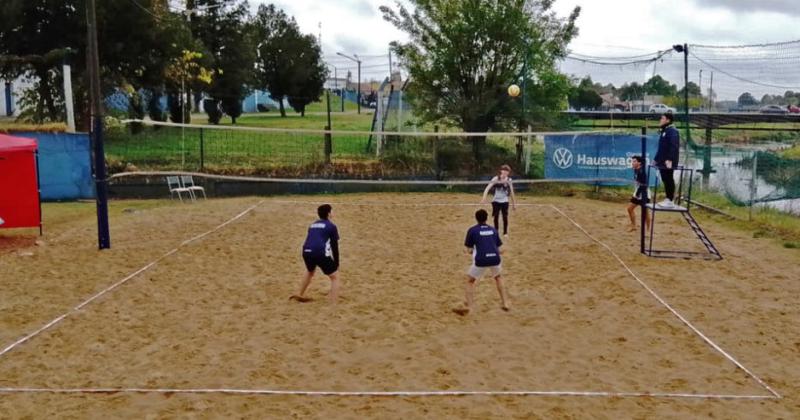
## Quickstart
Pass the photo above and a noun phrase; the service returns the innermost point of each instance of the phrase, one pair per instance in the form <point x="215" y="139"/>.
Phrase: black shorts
<point x="638" y="201"/>
<point x="326" y="264"/>
<point x="499" y="207"/>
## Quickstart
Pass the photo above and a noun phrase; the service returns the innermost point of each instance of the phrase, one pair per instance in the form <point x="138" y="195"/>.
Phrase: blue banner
<point x="595" y="156"/>
<point x="65" y="165"/>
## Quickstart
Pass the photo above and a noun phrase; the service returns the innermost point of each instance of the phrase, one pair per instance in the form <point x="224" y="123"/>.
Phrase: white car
<point x="661" y="108"/>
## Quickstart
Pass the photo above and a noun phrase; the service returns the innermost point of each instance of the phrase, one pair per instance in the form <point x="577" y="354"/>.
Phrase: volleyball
<point x="513" y="91"/>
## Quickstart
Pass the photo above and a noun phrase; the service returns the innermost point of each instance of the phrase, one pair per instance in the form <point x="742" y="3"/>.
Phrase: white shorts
<point x="478" y="272"/>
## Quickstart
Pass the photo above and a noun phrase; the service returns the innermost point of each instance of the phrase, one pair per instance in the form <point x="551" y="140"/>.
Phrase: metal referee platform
<point x="683" y="204"/>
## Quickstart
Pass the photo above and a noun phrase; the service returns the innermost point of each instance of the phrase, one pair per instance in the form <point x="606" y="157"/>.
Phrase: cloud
<point x="351" y="43"/>
<point x="363" y="8"/>
<point x="784" y="7"/>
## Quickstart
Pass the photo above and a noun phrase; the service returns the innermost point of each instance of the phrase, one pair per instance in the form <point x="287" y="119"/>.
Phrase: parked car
<point x="793" y="109"/>
<point x="772" y="109"/>
<point x="661" y="108"/>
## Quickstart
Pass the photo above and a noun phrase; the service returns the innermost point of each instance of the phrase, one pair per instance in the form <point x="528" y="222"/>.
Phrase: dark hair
<point x="638" y="159"/>
<point x="668" y="115"/>
<point x="324" y="210"/>
<point x="481" y="216"/>
<point x="504" y="168"/>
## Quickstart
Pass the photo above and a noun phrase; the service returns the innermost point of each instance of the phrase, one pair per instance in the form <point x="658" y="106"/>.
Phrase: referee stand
<point x="683" y="202"/>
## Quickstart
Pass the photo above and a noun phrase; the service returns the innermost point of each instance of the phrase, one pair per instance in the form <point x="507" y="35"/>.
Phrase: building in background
<point x="10" y="95"/>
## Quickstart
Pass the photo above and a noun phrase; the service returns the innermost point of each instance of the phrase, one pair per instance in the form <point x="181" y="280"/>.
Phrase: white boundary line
<point x="380" y="393"/>
<point x="9" y="390"/>
<point x="123" y="281"/>
<point x="671" y="309"/>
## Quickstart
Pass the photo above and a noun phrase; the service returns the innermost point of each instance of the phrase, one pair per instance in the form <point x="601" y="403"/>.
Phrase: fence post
<point x="528" y="148"/>
<point x="328" y="145"/>
<point x="202" y="151"/>
<point x="707" y="159"/>
<point x="328" y="136"/>
<point x="436" y="152"/>
<point x="753" y="180"/>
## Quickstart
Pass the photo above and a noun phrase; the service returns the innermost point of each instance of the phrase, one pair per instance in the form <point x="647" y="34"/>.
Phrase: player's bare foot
<point x="461" y="311"/>
<point x="506" y="308"/>
<point x="301" y="299"/>
<point x="632" y="228"/>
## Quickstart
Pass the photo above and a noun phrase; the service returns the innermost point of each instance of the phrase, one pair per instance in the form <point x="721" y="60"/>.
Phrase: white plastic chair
<point x="188" y="183"/>
<point x="175" y="187"/>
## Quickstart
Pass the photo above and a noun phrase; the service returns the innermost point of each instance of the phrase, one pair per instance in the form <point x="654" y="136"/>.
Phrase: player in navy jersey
<point x="640" y="195"/>
<point x="321" y="249"/>
<point x="484" y="243"/>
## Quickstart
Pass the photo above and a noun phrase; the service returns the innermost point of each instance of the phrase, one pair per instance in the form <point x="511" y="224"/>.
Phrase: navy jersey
<point x="485" y="243"/>
<point x="640" y="177"/>
<point x="668" y="146"/>
<point x="320" y="235"/>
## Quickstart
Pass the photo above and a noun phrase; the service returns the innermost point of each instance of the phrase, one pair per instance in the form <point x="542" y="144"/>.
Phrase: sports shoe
<point x="666" y="204"/>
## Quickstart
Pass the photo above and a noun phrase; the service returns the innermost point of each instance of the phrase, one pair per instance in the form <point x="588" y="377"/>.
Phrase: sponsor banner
<point x="595" y="156"/>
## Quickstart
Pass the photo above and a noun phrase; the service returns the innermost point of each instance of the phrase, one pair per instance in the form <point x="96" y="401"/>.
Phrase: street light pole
<point x="358" y="61"/>
<point x="685" y="50"/>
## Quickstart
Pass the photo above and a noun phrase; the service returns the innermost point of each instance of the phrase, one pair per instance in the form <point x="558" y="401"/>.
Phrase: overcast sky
<point x="607" y="27"/>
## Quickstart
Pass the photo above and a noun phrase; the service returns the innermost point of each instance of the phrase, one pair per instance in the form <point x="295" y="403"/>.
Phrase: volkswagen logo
<point x="562" y="158"/>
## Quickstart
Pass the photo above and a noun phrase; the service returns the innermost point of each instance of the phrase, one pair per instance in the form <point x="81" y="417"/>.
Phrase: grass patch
<point x="766" y="222"/>
<point x="792" y="152"/>
<point x="14" y="127"/>
<point x="314" y="121"/>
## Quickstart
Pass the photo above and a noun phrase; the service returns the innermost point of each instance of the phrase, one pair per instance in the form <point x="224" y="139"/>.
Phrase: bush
<point x="232" y="107"/>
<point x="176" y="111"/>
<point x="154" y="109"/>
<point x="136" y="112"/>
<point x="265" y="108"/>
<point x="211" y="107"/>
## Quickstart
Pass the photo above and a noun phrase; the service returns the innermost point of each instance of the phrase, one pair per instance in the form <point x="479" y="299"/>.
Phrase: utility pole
<point x="101" y="183"/>
<point x="357" y="60"/>
<point x="711" y="93"/>
<point x="701" y="87"/>
<point x="390" y="64"/>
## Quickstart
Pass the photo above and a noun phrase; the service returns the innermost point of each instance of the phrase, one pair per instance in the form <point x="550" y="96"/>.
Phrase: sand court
<point x="215" y="314"/>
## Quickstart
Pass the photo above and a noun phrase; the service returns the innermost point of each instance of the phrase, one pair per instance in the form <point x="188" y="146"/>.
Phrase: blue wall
<point x="65" y="170"/>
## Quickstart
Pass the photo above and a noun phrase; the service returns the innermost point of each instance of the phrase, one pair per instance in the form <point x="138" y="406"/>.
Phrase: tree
<point x="45" y="29"/>
<point x="185" y="71"/>
<point x="657" y="85"/>
<point x="694" y="90"/>
<point x="585" y="96"/>
<point x="462" y="55"/>
<point x="280" y="36"/>
<point x="631" y="92"/>
<point x="309" y="75"/>
<point x="227" y="35"/>
<point x="747" y="99"/>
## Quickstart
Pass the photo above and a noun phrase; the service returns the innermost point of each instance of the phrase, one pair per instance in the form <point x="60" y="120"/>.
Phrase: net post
<point x="643" y="206"/>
